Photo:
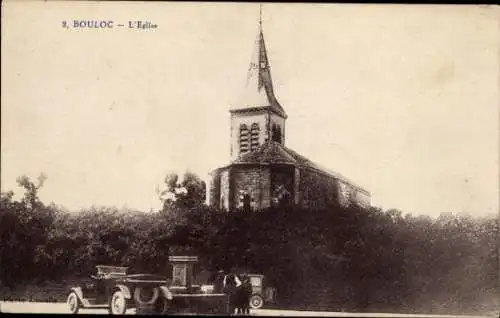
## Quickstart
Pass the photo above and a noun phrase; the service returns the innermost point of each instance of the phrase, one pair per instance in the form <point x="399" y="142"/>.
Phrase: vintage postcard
<point x="249" y="159"/>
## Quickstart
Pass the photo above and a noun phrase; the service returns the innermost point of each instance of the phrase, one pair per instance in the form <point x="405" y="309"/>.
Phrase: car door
<point x="89" y="289"/>
<point x="103" y="290"/>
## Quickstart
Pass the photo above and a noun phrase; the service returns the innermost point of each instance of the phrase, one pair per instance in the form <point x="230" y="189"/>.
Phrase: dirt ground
<point x="61" y="308"/>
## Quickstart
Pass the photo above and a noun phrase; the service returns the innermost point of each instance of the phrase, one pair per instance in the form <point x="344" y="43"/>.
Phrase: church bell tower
<point x="257" y="117"/>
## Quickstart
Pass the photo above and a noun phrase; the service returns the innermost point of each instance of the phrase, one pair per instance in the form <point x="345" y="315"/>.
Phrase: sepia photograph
<point x="246" y="158"/>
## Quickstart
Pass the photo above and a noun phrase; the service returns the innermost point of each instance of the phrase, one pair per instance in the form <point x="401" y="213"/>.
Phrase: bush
<point x="337" y="258"/>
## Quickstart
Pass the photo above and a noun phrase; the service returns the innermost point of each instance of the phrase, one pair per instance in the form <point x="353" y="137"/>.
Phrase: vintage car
<point x="261" y="294"/>
<point x="116" y="291"/>
<point x="113" y="289"/>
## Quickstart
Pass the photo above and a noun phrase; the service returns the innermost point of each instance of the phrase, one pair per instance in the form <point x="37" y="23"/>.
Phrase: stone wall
<point x="349" y="194"/>
<point x="253" y="180"/>
<point x="317" y="190"/>
<point x="345" y="193"/>
<point x="362" y="198"/>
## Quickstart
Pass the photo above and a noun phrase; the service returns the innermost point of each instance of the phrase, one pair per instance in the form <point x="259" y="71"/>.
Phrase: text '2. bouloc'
<point x="108" y="24"/>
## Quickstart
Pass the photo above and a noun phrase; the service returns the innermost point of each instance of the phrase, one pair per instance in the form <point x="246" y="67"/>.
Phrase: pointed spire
<point x="259" y="90"/>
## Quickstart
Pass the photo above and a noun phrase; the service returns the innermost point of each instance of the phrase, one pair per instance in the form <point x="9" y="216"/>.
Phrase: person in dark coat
<point x="219" y="282"/>
<point x="245" y="295"/>
<point x="231" y="286"/>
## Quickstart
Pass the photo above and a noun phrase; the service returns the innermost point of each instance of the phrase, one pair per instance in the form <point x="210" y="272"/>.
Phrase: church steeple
<point x="257" y="117"/>
<point x="259" y="92"/>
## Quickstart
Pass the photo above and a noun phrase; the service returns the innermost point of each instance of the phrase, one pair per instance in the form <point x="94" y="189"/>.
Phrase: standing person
<point x="240" y="297"/>
<point x="246" y="294"/>
<point x="246" y="203"/>
<point x="231" y="284"/>
<point x="219" y="282"/>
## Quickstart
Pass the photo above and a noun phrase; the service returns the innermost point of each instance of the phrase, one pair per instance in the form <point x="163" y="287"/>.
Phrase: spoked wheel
<point x="256" y="302"/>
<point x="118" y="304"/>
<point x="73" y="303"/>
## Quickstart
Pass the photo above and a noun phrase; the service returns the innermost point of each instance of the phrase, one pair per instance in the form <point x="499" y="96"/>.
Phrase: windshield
<point x="255" y="281"/>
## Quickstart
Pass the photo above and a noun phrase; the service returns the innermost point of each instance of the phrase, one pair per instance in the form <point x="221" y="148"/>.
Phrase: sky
<point x="402" y="99"/>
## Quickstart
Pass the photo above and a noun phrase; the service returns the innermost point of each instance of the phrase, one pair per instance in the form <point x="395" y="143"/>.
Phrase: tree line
<point x="339" y="258"/>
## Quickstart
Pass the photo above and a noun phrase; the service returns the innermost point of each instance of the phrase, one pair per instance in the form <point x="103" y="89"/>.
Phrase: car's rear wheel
<point x="73" y="303"/>
<point x="256" y="302"/>
<point x="118" y="303"/>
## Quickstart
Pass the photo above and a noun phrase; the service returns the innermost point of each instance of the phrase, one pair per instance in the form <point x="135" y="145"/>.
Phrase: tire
<point x="256" y="302"/>
<point x="73" y="303"/>
<point x="117" y="303"/>
<point x="140" y="301"/>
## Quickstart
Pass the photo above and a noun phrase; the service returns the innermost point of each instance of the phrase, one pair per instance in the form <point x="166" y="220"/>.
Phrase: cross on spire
<point x="260" y="17"/>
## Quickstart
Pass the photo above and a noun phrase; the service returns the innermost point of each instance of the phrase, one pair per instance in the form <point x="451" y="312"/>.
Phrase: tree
<point x="25" y="228"/>
<point x="181" y="196"/>
<point x="31" y="199"/>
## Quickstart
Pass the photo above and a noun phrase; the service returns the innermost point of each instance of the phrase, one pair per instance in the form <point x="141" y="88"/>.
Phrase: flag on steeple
<point x="259" y="90"/>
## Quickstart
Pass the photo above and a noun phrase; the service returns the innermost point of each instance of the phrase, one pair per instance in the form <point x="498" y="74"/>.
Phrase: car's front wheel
<point x="73" y="303"/>
<point x="256" y="302"/>
<point x="118" y="303"/>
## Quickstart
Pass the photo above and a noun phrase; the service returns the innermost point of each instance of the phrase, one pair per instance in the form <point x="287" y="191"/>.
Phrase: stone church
<point x="263" y="172"/>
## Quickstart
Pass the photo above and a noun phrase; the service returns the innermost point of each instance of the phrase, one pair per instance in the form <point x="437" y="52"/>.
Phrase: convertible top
<point x="113" y="271"/>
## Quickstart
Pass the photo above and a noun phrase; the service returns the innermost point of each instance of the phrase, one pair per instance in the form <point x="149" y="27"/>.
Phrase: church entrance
<point x="282" y="185"/>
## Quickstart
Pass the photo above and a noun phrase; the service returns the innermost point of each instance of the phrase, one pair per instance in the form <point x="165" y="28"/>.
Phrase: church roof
<point x="259" y="92"/>
<point x="273" y="152"/>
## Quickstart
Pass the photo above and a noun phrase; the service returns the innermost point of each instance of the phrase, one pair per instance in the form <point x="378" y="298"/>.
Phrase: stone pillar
<point x="213" y="187"/>
<point x="265" y="184"/>
<point x="230" y="181"/>
<point x="183" y="269"/>
<point x="296" y="183"/>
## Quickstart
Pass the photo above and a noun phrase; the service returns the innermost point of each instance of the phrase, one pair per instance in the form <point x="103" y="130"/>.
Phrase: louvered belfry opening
<point x="276" y="133"/>
<point x="254" y="137"/>
<point x="244" y="142"/>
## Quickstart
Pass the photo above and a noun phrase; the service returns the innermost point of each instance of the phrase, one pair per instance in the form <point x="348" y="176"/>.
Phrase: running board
<point x="95" y="306"/>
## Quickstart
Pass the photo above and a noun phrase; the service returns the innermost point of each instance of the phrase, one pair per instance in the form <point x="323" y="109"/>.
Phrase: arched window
<point x="276" y="133"/>
<point x="243" y="138"/>
<point x="254" y="137"/>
